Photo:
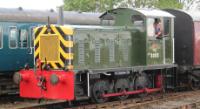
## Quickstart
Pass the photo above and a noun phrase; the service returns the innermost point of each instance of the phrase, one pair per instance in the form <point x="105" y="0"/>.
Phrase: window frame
<point x="21" y="43"/>
<point x="164" y="27"/>
<point x="16" y="37"/>
<point x="32" y="36"/>
<point x="135" y="17"/>
<point x="1" y="29"/>
<point x="147" y="26"/>
<point x="150" y="29"/>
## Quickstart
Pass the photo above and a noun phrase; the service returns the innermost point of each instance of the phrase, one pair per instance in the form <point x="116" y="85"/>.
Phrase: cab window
<point x="13" y="37"/>
<point x="23" y="38"/>
<point x="137" y="20"/>
<point x="154" y="27"/>
<point x="1" y="37"/>
<point x="150" y="27"/>
<point x="166" y="26"/>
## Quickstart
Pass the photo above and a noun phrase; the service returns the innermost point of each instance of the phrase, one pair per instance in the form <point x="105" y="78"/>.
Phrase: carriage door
<point x="30" y="49"/>
<point x="25" y="46"/>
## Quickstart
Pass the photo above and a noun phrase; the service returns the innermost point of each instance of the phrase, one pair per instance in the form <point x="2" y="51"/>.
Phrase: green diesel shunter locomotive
<point x="124" y="54"/>
<point x="132" y="52"/>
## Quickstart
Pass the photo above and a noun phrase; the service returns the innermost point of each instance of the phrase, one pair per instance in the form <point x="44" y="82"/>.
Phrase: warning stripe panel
<point x="36" y="52"/>
<point x="37" y="38"/>
<point x="66" y="55"/>
<point x="65" y="49"/>
<point x="53" y="65"/>
<point x="66" y="30"/>
<point x="66" y="43"/>
<point x="37" y="31"/>
<point x="61" y="63"/>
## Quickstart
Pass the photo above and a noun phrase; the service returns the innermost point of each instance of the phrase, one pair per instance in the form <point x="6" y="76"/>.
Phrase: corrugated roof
<point x="146" y="12"/>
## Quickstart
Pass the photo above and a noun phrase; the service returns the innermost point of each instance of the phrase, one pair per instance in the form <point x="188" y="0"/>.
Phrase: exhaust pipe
<point x="60" y="19"/>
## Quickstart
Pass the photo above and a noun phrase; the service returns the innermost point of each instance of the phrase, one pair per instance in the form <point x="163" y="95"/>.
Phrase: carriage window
<point x="166" y="27"/>
<point x="13" y="37"/>
<point x="23" y="38"/>
<point x="1" y="37"/>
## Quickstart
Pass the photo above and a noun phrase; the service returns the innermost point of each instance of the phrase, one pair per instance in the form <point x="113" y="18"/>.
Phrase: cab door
<point x="154" y="45"/>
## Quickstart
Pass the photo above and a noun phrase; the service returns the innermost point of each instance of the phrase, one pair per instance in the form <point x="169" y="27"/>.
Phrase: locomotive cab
<point x="156" y="50"/>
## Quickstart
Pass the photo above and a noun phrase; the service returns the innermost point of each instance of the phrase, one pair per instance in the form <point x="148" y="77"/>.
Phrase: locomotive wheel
<point x="193" y="85"/>
<point x="142" y="81"/>
<point x="98" y="89"/>
<point x="122" y="85"/>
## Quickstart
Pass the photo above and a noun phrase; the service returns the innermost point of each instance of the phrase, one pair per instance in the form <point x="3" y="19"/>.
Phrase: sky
<point x="31" y="4"/>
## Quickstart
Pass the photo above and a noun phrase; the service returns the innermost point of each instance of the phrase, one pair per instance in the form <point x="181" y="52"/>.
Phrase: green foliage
<point x="176" y="4"/>
<point x="163" y="4"/>
<point x="144" y="3"/>
<point x="89" y="5"/>
<point x="103" y="5"/>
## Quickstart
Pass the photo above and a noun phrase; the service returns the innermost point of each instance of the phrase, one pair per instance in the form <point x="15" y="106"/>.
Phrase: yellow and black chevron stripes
<point x="43" y="34"/>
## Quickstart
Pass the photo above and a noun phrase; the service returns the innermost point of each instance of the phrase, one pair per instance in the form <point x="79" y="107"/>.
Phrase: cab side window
<point x="1" y="37"/>
<point x="137" y="20"/>
<point x="150" y="27"/>
<point x="13" y="37"/>
<point x="155" y="27"/>
<point x="23" y="40"/>
<point x="166" y="26"/>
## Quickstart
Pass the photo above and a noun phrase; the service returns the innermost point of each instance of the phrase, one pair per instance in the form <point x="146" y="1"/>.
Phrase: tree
<point x="151" y="4"/>
<point x="89" y="5"/>
<point x="190" y="4"/>
<point x="136" y="3"/>
<point x="163" y="4"/>
<point x="103" y="5"/>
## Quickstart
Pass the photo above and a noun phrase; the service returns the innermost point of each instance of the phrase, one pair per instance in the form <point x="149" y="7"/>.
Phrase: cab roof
<point x="154" y="13"/>
<point x="143" y="11"/>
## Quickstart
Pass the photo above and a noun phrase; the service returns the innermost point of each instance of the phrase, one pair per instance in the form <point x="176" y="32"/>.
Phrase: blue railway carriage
<point x="16" y="41"/>
<point x="16" y="50"/>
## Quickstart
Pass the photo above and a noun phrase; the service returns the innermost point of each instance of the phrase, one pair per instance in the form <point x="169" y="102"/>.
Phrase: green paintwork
<point x="154" y="51"/>
<point x="169" y="50"/>
<point x="124" y="44"/>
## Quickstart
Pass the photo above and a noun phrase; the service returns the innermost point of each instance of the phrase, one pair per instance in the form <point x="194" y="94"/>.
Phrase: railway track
<point x="15" y="102"/>
<point x="179" y="100"/>
<point x="173" y="100"/>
